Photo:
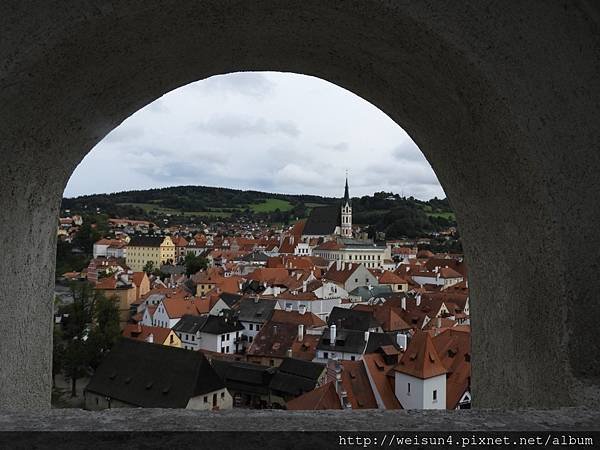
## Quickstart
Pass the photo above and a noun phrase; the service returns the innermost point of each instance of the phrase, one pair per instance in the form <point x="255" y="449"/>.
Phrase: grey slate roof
<point x="348" y="341"/>
<point x="252" y="310"/>
<point x="323" y="221"/>
<point x="230" y="299"/>
<point x="244" y="377"/>
<point x="302" y="368"/>
<point x="352" y="319"/>
<point x="220" y="325"/>
<point x="207" y="324"/>
<point x="376" y="291"/>
<point x="153" y="376"/>
<point x="257" y="256"/>
<point x="145" y="241"/>
<point x="294" y="378"/>
<point x="377" y="340"/>
<point x="189" y="324"/>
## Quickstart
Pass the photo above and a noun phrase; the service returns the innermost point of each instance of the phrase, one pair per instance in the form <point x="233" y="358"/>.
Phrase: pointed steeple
<point x="346" y="194"/>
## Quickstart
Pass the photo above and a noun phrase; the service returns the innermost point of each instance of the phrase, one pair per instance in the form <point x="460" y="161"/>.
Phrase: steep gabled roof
<point x="356" y="383"/>
<point x="421" y="359"/>
<point x="153" y="376"/>
<point x="322" y="221"/>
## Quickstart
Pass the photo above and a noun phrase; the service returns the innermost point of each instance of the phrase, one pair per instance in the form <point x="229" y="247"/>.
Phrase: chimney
<point x="256" y="299"/>
<point x="274" y="330"/>
<point x="304" y="284"/>
<point x="438" y="322"/>
<point x="302" y="309"/>
<point x="288" y="307"/>
<point x="288" y="353"/>
<point x="403" y="303"/>
<point x="300" y="332"/>
<point x="332" y="335"/>
<point x="150" y="338"/>
<point x="366" y="336"/>
<point x="402" y="340"/>
<point x="418" y="298"/>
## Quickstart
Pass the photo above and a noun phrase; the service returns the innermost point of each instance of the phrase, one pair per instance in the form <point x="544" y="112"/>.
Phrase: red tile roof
<point x="323" y="397"/>
<point x="421" y="359"/>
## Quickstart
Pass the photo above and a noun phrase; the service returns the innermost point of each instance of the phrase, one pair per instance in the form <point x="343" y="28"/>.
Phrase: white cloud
<point x="270" y="131"/>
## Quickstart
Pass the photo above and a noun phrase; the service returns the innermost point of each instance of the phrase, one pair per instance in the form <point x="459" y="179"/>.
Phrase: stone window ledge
<point x="575" y="419"/>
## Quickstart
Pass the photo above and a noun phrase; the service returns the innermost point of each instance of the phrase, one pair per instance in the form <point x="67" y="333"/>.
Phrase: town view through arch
<point x="266" y="223"/>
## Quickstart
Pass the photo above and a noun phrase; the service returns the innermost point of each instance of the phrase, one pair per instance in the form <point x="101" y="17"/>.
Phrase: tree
<point x="149" y="267"/>
<point x="58" y="354"/>
<point x="106" y="330"/>
<point x="91" y="327"/>
<point x="194" y="264"/>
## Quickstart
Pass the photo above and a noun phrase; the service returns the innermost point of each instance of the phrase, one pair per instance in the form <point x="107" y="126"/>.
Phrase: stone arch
<point x="504" y="112"/>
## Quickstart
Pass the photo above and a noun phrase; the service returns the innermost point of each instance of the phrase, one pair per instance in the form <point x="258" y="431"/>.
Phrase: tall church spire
<point x="346" y="213"/>
<point x="346" y="194"/>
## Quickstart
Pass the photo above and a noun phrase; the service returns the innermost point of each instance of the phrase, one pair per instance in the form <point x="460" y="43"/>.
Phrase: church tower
<point x="346" y="225"/>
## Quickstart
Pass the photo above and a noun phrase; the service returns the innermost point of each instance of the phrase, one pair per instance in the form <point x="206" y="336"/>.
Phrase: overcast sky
<point x="268" y="131"/>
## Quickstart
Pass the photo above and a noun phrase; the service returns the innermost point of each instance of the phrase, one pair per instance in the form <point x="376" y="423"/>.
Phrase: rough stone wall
<point x="502" y="98"/>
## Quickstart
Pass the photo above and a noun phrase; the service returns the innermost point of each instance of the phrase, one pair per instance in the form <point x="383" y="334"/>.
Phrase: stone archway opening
<point x="508" y="130"/>
<point x="237" y="128"/>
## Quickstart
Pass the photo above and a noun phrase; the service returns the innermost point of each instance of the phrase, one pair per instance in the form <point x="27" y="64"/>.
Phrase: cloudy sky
<point x="274" y="132"/>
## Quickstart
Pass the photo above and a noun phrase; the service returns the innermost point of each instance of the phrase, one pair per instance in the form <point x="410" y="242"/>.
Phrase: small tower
<point x="346" y="225"/>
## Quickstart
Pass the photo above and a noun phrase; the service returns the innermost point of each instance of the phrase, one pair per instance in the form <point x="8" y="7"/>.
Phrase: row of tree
<point x="89" y="327"/>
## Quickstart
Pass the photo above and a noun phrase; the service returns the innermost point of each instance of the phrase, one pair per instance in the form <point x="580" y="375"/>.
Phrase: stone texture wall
<point x="502" y="98"/>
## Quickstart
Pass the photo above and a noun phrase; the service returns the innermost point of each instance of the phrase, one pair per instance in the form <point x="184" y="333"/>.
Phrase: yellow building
<point x="121" y="290"/>
<point x="141" y="249"/>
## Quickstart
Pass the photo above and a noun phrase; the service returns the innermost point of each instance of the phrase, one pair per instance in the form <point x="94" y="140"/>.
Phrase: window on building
<point x="271" y="363"/>
<point x="250" y="339"/>
<point x="222" y="395"/>
<point x="227" y="349"/>
<point x="257" y="327"/>
<point x="408" y="391"/>
<point x="435" y="395"/>
<point x="251" y="327"/>
<point x="205" y="399"/>
<point x="353" y="358"/>
<point x="326" y="355"/>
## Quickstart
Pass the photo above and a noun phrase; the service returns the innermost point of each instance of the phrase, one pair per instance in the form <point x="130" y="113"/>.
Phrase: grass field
<point x="148" y="207"/>
<point x="445" y="215"/>
<point x="270" y="205"/>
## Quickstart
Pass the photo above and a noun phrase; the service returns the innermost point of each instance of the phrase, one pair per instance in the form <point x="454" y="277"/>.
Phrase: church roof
<point x="322" y="221"/>
<point x="346" y="194"/>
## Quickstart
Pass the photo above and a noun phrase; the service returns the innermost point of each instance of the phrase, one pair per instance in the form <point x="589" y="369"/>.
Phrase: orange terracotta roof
<point x="356" y="383"/>
<point x="106" y="283"/>
<point x="421" y="359"/>
<point x="177" y="307"/>
<point x="384" y="384"/>
<point x="138" y="277"/>
<point x="323" y="397"/>
<point x="391" y="278"/>
<point x="342" y="275"/>
<point x="454" y="347"/>
<point x="141" y="332"/>
<point x="330" y="245"/>
<point x="179" y="241"/>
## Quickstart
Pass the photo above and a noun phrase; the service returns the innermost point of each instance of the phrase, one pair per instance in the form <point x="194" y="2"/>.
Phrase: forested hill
<point x="382" y="211"/>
